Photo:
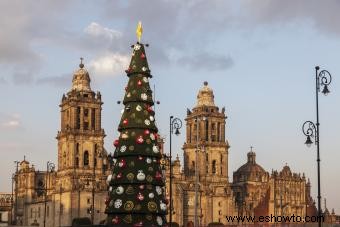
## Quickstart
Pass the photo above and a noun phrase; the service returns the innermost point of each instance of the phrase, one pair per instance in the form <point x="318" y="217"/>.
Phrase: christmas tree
<point x="136" y="186"/>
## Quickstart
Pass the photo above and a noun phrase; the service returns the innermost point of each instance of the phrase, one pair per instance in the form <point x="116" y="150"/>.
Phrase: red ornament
<point x="116" y="143"/>
<point x="139" y="82"/>
<point x="119" y="175"/>
<point x="115" y="220"/>
<point x="140" y="196"/>
<point x="125" y="121"/>
<point x="140" y="158"/>
<point x="146" y="132"/>
<point x="141" y="187"/>
<point x="166" y="201"/>
<point x="122" y="163"/>
<point x="126" y="88"/>
<point x="156" y="135"/>
<point x="158" y="176"/>
<point x="140" y="139"/>
<point x="142" y="55"/>
<point x="149" y="108"/>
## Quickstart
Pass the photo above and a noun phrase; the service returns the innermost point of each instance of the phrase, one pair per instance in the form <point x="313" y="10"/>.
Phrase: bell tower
<point x="81" y="138"/>
<point x="205" y="125"/>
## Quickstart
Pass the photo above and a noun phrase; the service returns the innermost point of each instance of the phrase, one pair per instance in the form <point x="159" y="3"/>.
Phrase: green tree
<point x="136" y="186"/>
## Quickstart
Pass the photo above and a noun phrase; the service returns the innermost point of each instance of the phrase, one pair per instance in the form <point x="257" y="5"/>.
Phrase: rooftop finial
<point x="251" y="148"/>
<point x="205" y="83"/>
<point x="139" y="30"/>
<point x="81" y="65"/>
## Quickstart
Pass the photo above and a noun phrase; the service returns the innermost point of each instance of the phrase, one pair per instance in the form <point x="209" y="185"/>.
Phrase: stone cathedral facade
<point x="76" y="188"/>
<point x="252" y="191"/>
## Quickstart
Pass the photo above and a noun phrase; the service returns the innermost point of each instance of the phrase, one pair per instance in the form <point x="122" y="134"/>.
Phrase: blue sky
<point x="258" y="56"/>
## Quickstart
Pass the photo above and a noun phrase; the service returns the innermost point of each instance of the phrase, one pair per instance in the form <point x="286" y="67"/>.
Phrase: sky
<point x="259" y="57"/>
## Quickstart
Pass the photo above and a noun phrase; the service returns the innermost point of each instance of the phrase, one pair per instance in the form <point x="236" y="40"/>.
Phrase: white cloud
<point x="10" y="121"/>
<point x="96" y="30"/>
<point x="109" y="64"/>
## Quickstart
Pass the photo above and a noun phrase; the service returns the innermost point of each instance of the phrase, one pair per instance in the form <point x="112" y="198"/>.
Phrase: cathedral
<point x="76" y="188"/>
<point x="253" y="191"/>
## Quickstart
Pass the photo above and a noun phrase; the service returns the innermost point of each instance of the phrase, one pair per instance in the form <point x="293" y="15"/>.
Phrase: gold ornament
<point x="131" y="148"/>
<point x="130" y="176"/>
<point x="152" y="206"/>
<point x="128" y="218"/>
<point x="128" y="206"/>
<point x="130" y="190"/>
<point x="149" y="178"/>
<point x="148" y="217"/>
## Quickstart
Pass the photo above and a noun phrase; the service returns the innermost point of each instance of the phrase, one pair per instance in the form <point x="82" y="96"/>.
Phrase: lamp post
<point x="175" y="125"/>
<point x="196" y="224"/>
<point x="311" y="130"/>
<point x="49" y="168"/>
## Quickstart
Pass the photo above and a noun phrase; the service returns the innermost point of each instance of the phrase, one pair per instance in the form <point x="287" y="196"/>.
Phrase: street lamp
<point x="49" y="169"/>
<point x="196" y="169"/>
<point x="175" y="125"/>
<point x="311" y="130"/>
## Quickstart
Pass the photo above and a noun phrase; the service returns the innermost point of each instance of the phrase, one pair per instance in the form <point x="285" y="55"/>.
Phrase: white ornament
<point x="110" y="189"/>
<point x="162" y="205"/>
<point x="152" y="118"/>
<point x="145" y="79"/>
<point x="140" y="175"/>
<point x="144" y="68"/>
<point x="128" y="95"/>
<point x="159" y="190"/>
<point x="159" y="221"/>
<point x="136" y="47"/>
<point x="152" y="136"/>
<point x="151" y="195"/>
<point x="138" y="108"/>
<point x="119" y="190"/>
<point x="108" y="179"/>
<point x="147" y="122"/>
<point x="122" y="111"/>
<point x="114" y="160"/>
<point x="144" y="96"/>
<point x="155" y="149"/>
<point x="124" y="135"/>
<point x="123" y="148"/>
<point x="148" y="160"/>
<point x="118" y="203"/>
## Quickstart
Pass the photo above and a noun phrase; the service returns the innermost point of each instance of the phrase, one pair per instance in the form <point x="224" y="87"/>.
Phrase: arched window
<point x="213" y="167"/>
<point x="86" y="158"/>
<point x="77" y="162"/>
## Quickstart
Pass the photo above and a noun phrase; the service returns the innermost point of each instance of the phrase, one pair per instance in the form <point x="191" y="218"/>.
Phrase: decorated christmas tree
<point x="136" y="194"/>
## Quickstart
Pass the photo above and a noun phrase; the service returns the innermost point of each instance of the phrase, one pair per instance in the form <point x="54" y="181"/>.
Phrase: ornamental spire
<point x="139" y="30"/>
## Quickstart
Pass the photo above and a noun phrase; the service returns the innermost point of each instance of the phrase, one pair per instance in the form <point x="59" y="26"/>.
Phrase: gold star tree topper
<point x="139" y="30"/>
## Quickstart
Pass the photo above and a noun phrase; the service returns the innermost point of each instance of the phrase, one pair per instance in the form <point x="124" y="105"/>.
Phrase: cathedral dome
<point x="251" y="171"/>
<point x="286" y="171"/>
<point x="205" y="96"/>
<point x="81" y="79"/>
